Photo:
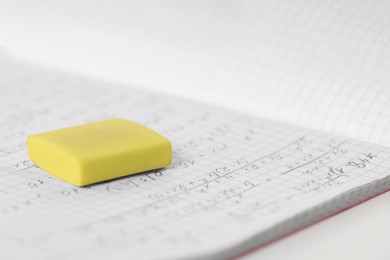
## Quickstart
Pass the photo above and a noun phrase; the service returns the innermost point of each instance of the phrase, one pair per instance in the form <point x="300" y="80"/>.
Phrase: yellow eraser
<point x="100" y="151"/>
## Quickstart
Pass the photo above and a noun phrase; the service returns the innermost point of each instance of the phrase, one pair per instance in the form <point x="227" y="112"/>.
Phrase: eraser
<point x="95" y="152"/>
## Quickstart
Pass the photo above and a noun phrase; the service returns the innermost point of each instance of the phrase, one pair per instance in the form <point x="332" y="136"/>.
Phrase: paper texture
<point x="235" y="180"/>
<point x="318" y="64"/>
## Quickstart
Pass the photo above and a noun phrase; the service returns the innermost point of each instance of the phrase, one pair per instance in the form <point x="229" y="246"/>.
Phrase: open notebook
<point x="266" y="144"/>
<point x="236" y="181"/>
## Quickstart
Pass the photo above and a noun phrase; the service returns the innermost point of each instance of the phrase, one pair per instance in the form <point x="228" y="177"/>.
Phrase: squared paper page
<point x="318" y="64"/>
<point x="233" y="181"/>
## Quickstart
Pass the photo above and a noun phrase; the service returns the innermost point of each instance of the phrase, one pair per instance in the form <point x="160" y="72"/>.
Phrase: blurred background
<point x="280" y="60"/>
<point x="196" y="47"/>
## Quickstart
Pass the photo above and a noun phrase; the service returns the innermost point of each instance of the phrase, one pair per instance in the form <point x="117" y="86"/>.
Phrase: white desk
<point x="359" y="233"/>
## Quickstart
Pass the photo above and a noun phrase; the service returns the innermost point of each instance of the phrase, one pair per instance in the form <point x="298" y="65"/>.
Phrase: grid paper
<point x="235" y="180"/>
<point x="318" y="64"/>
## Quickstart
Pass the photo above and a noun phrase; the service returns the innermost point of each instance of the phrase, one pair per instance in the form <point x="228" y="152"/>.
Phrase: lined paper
<point x="235" y="182"/>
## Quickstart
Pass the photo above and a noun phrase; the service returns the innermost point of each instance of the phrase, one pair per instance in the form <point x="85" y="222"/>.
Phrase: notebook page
<point x="318" y="64"/>
<point x="233" y="177"/>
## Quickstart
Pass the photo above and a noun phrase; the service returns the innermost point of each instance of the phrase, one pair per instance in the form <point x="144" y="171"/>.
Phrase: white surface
<point x="359" y="233"/>
<point x="284" y="43"/>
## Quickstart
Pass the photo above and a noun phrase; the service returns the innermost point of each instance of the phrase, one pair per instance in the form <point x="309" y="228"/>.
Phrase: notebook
<point x="293" y="128"/>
